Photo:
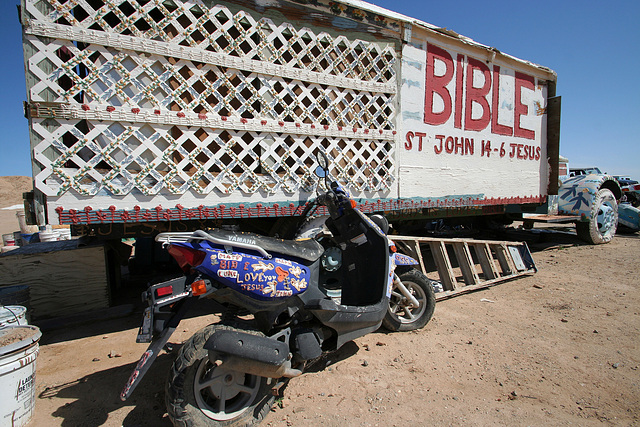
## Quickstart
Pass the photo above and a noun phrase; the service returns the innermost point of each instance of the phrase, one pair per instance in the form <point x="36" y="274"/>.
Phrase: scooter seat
<point x="307" y="249"/>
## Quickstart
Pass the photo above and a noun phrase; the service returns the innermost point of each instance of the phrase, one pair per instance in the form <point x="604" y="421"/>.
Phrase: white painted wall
<point x="428" y="172"/>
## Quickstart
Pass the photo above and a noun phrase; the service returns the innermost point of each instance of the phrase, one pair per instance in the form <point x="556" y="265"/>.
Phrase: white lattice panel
<point x="91" y="156"/>
<point x="169" y="98"/>
<point x="117" y="78"/>
<point x="215" y="28"/>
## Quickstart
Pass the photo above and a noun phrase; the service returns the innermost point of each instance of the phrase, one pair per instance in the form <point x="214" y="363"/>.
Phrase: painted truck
<point x="170" y="115"/>
<point x="598" y="197"/>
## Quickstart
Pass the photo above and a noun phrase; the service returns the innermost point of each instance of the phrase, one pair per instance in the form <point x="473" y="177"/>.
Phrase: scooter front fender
<point x="401" y="259"/>
<point x="397" y="259"/>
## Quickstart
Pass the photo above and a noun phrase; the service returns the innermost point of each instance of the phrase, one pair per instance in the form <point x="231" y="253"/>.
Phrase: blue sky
<point x="591" y="45"/>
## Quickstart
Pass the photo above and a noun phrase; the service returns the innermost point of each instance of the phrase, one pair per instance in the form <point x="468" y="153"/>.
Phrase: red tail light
<point x="165" y="290"/>
<point x="187" y="257"/>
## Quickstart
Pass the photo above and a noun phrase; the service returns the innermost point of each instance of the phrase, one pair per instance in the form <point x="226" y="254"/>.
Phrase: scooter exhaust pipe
<point x="253" y="367"/>
<point x="251" y="354"/>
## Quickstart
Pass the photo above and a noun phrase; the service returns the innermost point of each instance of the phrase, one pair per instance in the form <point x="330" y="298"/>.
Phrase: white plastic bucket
<point x="18" y="353"/>
<point x="64" y="233"/>
<point x="13" y="315"/>
<point x="8" y="240"/>
<point x="49" y="236"/>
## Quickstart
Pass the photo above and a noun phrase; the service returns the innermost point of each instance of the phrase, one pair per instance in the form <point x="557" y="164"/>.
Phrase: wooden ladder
<point x="468" y="273"/>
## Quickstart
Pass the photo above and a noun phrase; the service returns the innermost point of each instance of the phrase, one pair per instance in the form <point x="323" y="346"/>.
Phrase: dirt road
<point x="557" y="348"/>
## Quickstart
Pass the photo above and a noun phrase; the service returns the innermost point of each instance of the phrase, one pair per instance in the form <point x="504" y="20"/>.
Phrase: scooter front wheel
<point x="202" y="392"/>
<point x="402" y="315"/>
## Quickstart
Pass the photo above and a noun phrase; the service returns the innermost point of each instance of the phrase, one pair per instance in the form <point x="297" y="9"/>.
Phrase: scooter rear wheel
<point x="401" y="316"/>
<point x="201" y="392"/>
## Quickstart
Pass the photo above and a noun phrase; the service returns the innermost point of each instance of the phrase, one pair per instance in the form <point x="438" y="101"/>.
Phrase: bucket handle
<point x="10" y="311"/>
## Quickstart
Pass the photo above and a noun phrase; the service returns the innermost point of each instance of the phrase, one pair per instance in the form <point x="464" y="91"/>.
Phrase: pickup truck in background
<point x="630" y="190"/>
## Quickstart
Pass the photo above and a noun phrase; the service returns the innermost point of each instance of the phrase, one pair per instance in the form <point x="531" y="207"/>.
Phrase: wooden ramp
<point x="462" y="270"/>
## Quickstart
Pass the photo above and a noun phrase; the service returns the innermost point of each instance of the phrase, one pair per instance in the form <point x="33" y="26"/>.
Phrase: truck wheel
<point x="603" y="219"/>
<point x="200" y="392"/>
<point x="400" y="317"/>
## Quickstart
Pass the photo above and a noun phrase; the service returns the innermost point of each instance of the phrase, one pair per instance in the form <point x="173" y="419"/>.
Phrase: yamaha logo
<point x="247" y="240"/>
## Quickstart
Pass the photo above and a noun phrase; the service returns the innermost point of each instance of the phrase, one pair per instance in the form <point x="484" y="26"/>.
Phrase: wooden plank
<point x="396" y="238"/>
<point x="481" y="285"/>
<point x="465" y="261"/>
<point x="483" y="252"/>
<point x="441" y="258"/>
<point x="419" y="258"/>
<point x="484" y="249"/>
<point x="553" y="219"/>
<point x="502" y="253"/>
<point x="412" y="249"/>
<point x="61" y="282"/>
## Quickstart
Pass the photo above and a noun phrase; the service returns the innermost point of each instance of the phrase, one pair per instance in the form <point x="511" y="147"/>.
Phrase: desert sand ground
<point x="11" y="189"/>
<point x="559" y="347"/>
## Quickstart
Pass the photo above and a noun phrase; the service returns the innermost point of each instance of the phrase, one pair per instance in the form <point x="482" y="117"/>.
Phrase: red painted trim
<point x="112" y="215"/>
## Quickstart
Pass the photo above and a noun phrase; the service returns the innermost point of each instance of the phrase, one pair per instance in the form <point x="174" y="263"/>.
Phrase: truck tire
<point x="603" y="220"/>
<point x="399" y="317"/>
<point x="229" y="398"/>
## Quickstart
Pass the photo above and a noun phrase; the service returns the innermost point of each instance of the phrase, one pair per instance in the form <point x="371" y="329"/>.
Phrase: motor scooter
<point x="287" y="303"/>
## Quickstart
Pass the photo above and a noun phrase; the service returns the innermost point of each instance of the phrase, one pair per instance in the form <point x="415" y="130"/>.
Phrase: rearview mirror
<point x="322" y="160"/>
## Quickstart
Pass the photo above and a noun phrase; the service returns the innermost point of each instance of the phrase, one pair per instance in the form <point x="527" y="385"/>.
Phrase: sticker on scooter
<point x="229" y="257"/>
<point x="252" y="287"/>
<point x="401" y="259"/>
<point x="284" y="261"/>
<point x="299" y="284"/>
<point x="229" y="274"/>
<point x="261" y="279"/>
<point x="270" y="289"/>
<point x="282" y="274"/>
<point x="296" y="271"/>
<point x="261" y="266"/>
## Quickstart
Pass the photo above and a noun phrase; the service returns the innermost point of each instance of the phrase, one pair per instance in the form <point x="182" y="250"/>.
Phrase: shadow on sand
<point x="96" y="396"/>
